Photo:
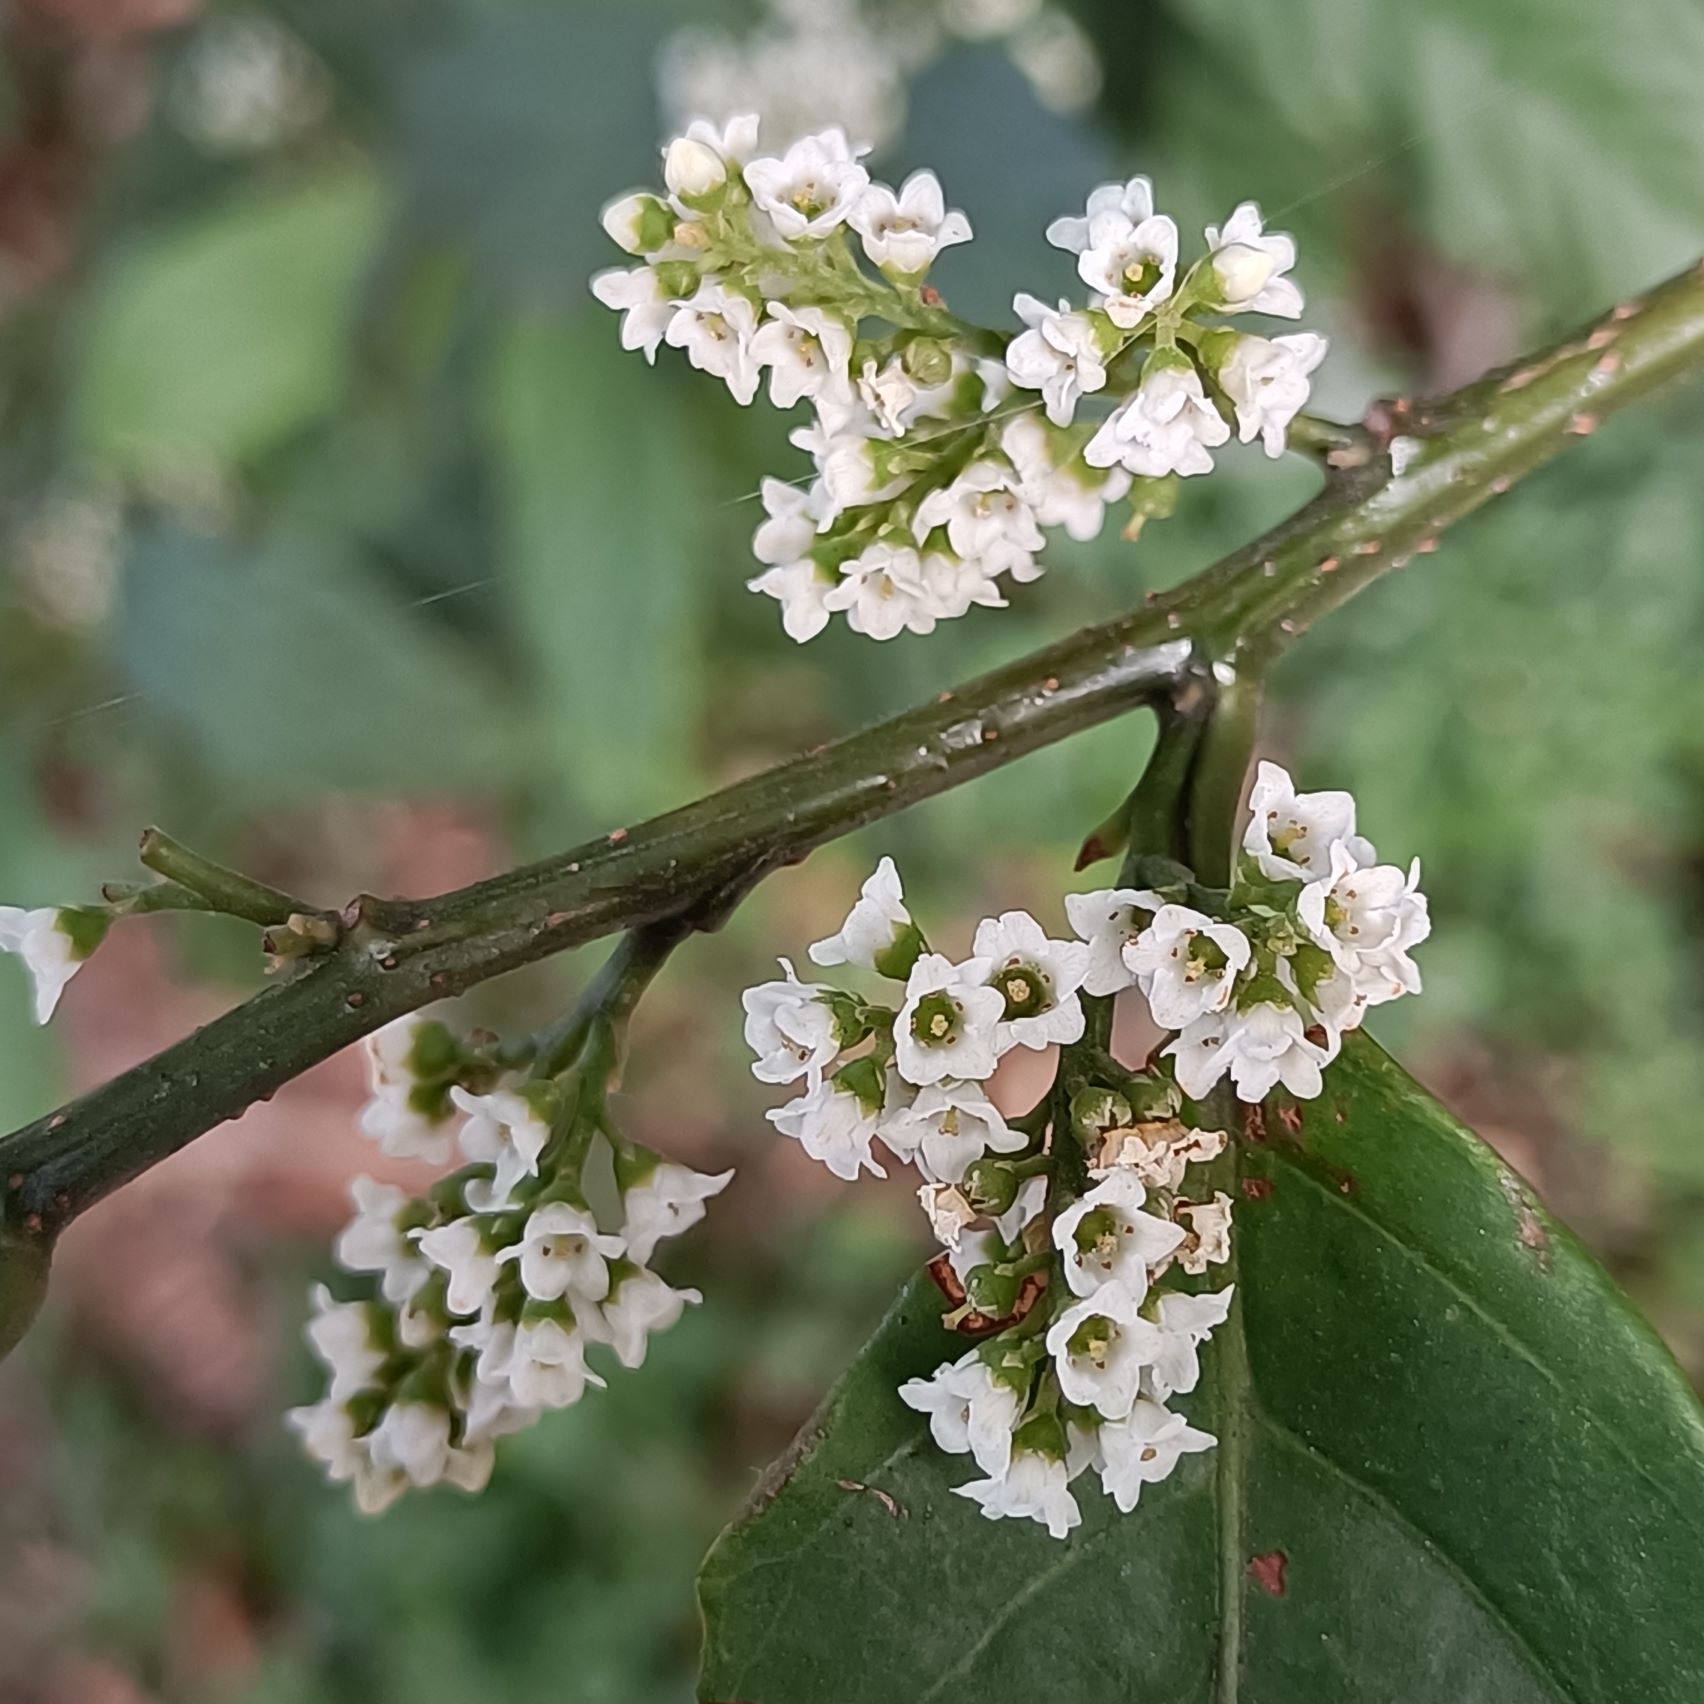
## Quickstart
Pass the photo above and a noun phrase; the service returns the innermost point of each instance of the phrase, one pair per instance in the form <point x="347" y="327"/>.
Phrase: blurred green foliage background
<point x="339" y="535"/>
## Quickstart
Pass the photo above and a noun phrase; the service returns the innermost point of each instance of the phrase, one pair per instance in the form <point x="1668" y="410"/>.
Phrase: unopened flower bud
<point x="928" y="361"/>
<point x="1094" y="1111"/>
<point x="1241" y="272"/>
<point x="693" y="170"/>
<point x="991" y="1291"/>
<point x="641" y="224"/>
<point x="990" y="1187"/>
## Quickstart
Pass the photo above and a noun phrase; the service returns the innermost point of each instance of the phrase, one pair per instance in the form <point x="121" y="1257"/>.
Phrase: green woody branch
<point x="1393" y="484"/>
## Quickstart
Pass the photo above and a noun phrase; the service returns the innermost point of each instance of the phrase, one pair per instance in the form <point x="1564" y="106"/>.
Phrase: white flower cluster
<point x="1313" y="931"/>
<point x="487" y="1293"/>
<point x="933" y="484"/>
<point x="1032" y="1406"/>
<point x="54" y="944"/>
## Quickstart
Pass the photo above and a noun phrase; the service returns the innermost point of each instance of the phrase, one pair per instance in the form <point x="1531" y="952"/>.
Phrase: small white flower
<point x="986" y="518"/>
<point x="877" y="922"/>
<point x="1106" y="1238"/>
<point x="947" y="1129"/>
<point x="1069" y="494"/>
<point x="1135" y="200"/>
<point x="506" y="1131"/>
<point x="970" y="1411"/>
<point x="812" y="188"/>
<point x="395" y="1117"/>
<point x="1367" y="918"/>
<point x="373" y="1241"/>
<point x="716" y="328"/>
<point x="903" y="233"/>
<point x="1267" y="382"/>
<point x="1260" y="1045"/>
<point x="1100" y="1348"/>
<point x="1168" y="426"/>
<point x="832" y="1124"/>
<point x="949" y="1024"/>
<point x="789" y="528"/>
<point x="647" y="309"/>
<point x="1110" y="920"/>
<point x="791" y="1028"/>
<point x="845" y="442"/>
<point x="413" y="1438"/>
<point x="890" y="394"/>
<point x="562" y="1252"/>
<point x="1250" y="264"/>
<point x="1059" y="355"/>
<point x="1290" y="835"/>
<point x="884" y="593"/>
<point x="669" y="1199"/>
<point x="327" y="1431"/>
<point x="1185" y="1323"/>
<point x="734" y="142"/>
<point x="948" y="1211"/>
<point x="638" y="1304"/>
<point x="801" y="588"/>
<point x="50" y="954"/>
<point x="955" y="585"/>
<point x="1035" y="1487"/>
<point x="1209" y="1240"/>
<point x="546" y="1367"/>
<point x="1144" y="1448"/>
<point x="462" y="1249"/>
<point x="1187" y="964"/>
<point x="639" y="223"/>
<point x="1158" y="1152"/>
<point x="342" y="1337"/>
<point x="1133" y="263"/>
<point x="808" y="352"/>
<point x="1038" y="980"/>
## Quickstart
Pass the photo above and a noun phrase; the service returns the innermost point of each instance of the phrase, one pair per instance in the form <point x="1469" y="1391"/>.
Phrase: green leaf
<point x="1454" y="1468"/>
<point x="219" y="338"/>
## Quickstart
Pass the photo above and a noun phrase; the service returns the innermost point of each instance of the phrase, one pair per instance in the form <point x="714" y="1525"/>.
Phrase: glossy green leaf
<point x="1454" y="1468"/>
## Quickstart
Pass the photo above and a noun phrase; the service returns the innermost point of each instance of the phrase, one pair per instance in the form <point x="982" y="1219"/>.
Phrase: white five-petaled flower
<point x="873" y="927"/>
<point x="374" y="1241"/>
<point x="394" y="1117"/>
<point x="1035" y="1486"/>
<point x="1110" y="920"/>
<point x="1185" y="1323"/>
<point x="667" y="1200"/>
<point x="562" y="1253"/>
<point x="1101" y="1346"/>
<point x="834" y="1125"/>
<point x="715" y="328"/>
<point x="1249" y="264"/>
<point x="1037" y="978"/>
<point x="506" y="1131"/>
<point x="947" y="1129"/>
<point x="1187" y="964"/>
<point x="791" y="1028"/>
<point x="1168" y="426"/>
<point x="463" y="1249"/>
<point x="1260" y="1045"/>
<point x="1368" y="917"/>
<point x="949" y="1024"/>
<point x="1059" y="355"/>
<point x="1068" y="493"/>
<point x="884" y="592"/>
<point x="1143" y="1448"/>
<point x="812" y="188"/>
<point x="1290" y="835"/>
<point x="1132" y="261"/>
<point x="970" y="1411"/>
<point x="342" y="1337"/>
<point x="808" y="352"/>
<point x="986" y="517"/>
<point x="903" y="233"/>
<point x="1267" y="382"/>
<point x="1106" y="1238"/>
<point x="1209" y="1240"/>
<point x="639" y="1303"/>
<point x="49" y="951"/>
<point x="647" y="309"/>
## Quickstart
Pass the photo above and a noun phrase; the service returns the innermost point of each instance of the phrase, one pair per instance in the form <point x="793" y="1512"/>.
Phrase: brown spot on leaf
<point x="895" y="1509"/>
<point x="1267" y="1572"/>
<point x="1291" y="1118"/>
<point x="1529" y="1228"/>
<point x="1257" y="1188"/>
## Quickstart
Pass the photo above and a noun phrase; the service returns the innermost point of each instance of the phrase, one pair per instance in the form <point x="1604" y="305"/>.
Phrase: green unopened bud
<point x="1096" y="1110"/>
<point x="694" y="171"/>
<point x="991" y="1291"/>
<point x="1152" y="1098"/>
<point x="990" y="1187"/>
<point x="641" y="224"/>
<point x="677" y="278"/>
<point x="927" y="360"/>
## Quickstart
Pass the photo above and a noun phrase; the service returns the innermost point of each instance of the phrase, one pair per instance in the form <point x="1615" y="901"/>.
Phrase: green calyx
<point x="85" y="927"/>
<point x="1043" y="1435"/>
<point x="867" y="1079"/>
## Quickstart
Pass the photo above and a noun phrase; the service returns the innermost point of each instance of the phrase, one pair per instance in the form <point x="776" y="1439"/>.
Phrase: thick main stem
<point x="1454" y="455"/>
